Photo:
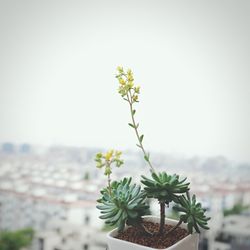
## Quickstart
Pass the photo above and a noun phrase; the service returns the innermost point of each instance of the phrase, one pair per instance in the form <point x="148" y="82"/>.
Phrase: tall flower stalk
<point x="130" y="93"/>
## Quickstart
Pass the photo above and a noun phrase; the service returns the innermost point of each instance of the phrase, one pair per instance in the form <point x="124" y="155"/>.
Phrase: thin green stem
<point x="109" y="185"/>
<point x="130" y="101"/>
<point x="109" y="178"/>
<point x="173" y="228"/>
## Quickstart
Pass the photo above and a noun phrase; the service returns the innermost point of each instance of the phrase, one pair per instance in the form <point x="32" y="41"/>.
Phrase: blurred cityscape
<point x="53" y="190"/>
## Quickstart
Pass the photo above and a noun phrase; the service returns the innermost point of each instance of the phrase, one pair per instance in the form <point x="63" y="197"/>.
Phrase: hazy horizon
<point x="191" y="59"/>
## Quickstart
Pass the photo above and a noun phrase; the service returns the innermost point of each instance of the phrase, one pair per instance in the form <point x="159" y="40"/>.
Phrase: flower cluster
<point x="107" y="159"/>
<point x="127" y="89"/>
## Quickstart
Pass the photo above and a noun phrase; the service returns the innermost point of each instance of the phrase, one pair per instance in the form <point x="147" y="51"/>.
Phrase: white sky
<point x="191" y="58"/>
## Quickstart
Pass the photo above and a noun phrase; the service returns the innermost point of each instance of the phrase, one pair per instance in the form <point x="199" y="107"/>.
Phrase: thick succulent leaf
<point x="180" y="209"/>
<point x="117" y="216"/>
<point x="204" y="226"/>
<point x="196" y="227"/>
<point x="136" y="190"/>
<point x="105" y="216"/>
<point x="193" y="200"/>
<point x="105" y="208"/>
<point x="183" y="180"/>
<point x="155" y="177"/>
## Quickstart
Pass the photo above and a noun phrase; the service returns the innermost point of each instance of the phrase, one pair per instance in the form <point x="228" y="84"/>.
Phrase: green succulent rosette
<point x="166" y="188"/>
<point x="125" y="205"/>
<point x="192" y="213"/>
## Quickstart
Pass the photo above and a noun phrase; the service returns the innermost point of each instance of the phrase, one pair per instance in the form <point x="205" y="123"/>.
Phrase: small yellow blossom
<point x="122" y="81"/>
<point x="109" y="155"/>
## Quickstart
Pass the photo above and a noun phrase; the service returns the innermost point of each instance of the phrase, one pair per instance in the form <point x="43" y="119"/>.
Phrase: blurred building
<point x="60" y="235"/>
<point x="54" y="190"/>
<point x="234" y="234"/>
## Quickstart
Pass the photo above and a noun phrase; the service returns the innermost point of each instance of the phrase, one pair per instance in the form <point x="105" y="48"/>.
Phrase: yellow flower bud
<point x="99" y="155"/>
<point x="99" y="165"/>
<point x="107" y="171"/>
<point x="135" y="98"/>
<point x="130" y="78"/>
<point x="130" y="84"/>
<point x="137" y="89"/>
<point x="118" y="154"/>
<point x="129" y="72"/>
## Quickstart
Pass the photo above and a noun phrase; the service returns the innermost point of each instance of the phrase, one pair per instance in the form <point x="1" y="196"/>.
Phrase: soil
<point x="157" y="241"/>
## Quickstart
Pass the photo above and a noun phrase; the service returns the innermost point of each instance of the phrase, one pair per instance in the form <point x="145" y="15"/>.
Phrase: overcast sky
<point x="191" y="59"/>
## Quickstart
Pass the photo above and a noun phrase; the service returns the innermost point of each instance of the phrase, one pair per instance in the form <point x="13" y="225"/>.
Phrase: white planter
<point x="190" y="242"/>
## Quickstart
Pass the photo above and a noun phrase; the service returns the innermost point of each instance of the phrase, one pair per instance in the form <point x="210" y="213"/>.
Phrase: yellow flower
<point x="122" y="81"/>
<point x="109" y="154"/>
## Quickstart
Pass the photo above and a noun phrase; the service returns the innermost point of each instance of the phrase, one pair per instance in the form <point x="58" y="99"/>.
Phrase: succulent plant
<point x="192" y="213"/>
<point x="164" y="187"/>
<point x="125" y="205"/>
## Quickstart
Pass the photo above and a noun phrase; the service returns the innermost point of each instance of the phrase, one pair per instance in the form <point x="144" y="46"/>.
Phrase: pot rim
<point x="148" y="218"/>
